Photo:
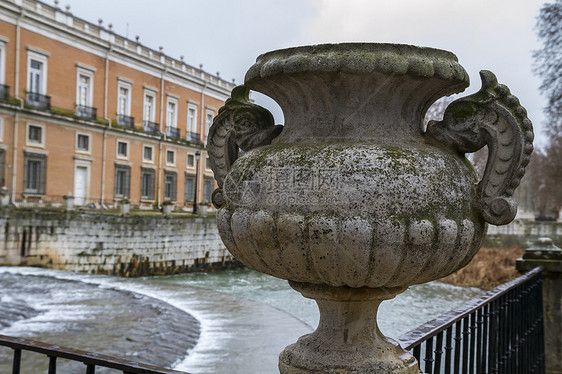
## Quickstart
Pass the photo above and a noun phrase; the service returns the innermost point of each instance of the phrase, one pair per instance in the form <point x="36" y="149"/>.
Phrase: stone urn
<point x="352" y="200"/>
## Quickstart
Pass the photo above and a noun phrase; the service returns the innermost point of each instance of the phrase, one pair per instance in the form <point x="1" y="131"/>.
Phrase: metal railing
<point x="193" y="137"/>
<point x="499" y="332"/>
<point x="173" y="132"/>
<point x="38" y="200"/>
<point x="37" y="100"/>
<point x="4" y="92"/>
<point x="89" y="359"/>
<point x="151" y="127"/>
<point x="84" y="111"/>
<point x="125" y="121"/>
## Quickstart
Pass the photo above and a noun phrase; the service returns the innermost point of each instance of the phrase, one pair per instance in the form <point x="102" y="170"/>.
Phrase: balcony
<point x="151" y="127"/>
<point x="4" y="92"/>
<point x="37" y="100"/>
<point x="125" y="121"/>
<point x="193" y="137"/>
<point x="173" y="132"/>
<point x="86" y="112"/>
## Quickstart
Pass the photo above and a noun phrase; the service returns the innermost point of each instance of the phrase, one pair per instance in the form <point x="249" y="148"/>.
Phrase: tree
<point x="546" y="165"/>
<point x="548" y="63"/>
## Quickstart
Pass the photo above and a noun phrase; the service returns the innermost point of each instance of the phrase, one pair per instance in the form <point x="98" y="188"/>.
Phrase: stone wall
<point x="110" y="243"/>
<point x="523" y="233"/>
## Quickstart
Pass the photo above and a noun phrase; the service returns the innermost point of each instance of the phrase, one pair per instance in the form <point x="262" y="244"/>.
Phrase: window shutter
<point x="116" y="182"/>
<point x="189" y="187"/>
<point x="151" y="185"/>
<point x="26" y="175"/>
<point x="42" y="188"/>
<point x="2" y="162"/>
<point x="174" y="186"/>
<point x="127" y="183"/>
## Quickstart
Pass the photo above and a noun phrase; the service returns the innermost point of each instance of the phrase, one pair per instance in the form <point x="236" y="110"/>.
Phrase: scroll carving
<point x="492" y="117"/>
<point x="240" y="124"/>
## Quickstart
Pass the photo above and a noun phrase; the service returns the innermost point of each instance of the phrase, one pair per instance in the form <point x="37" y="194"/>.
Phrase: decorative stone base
<point x="347" y="340"/>
<point x="309" y="355"/>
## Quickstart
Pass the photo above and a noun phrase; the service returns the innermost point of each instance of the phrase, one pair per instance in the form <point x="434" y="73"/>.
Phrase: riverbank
<point x="488" y="269"/>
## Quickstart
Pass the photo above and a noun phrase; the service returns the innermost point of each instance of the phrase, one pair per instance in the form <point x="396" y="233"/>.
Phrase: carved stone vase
<point x="352" y="201"/>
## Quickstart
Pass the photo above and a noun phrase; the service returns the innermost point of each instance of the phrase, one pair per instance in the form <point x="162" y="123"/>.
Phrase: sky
<point x="226" y="36"/>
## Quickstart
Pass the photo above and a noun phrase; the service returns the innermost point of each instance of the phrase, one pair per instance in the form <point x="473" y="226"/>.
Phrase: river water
<point x="232" y="322"/>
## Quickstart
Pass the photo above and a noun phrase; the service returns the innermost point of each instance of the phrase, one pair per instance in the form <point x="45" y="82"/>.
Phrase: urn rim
<point x="360" y="58"/>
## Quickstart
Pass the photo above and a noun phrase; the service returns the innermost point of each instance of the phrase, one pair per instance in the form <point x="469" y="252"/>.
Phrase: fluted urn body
<point x="351" y="201"/>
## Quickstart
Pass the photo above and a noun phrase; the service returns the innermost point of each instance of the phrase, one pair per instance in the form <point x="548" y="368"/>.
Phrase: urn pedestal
<point x="352" y="200"/>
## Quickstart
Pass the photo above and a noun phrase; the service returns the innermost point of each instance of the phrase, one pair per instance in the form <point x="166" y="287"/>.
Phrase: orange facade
<point x="86" y="111"/>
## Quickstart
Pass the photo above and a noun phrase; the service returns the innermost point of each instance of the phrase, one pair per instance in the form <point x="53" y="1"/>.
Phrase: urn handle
<point x="240" y="124"/>
<point x="492" y="117"/>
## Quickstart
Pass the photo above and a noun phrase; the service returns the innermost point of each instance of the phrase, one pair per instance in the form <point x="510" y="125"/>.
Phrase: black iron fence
<point x="499" y="332"/>
<point x="173" y="132"/>
<point x="4" y="92"/>
<point x="193" y="137"/>
<point x="125" y="121"/>
<point x="37" y="100"/>
<point x="88" y="112"/>
<point x="150" y="126"/>
<point x="89" y="359"/>
<point x="38" y="200"/>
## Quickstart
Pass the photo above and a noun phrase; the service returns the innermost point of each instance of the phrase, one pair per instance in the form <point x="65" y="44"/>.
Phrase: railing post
<point x="544" y="253"/>
<point x="52" y="365"/>
<point x="17" y="361"/>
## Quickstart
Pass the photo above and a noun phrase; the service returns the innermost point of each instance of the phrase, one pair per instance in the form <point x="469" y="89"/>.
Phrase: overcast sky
<point x="227" y="35"/>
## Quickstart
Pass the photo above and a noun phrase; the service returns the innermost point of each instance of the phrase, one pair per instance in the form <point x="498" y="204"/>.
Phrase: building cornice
<point x="102" y="42"/>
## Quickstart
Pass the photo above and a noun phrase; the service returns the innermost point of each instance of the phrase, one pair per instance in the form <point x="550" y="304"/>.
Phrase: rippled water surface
<point x="234" y="322"/>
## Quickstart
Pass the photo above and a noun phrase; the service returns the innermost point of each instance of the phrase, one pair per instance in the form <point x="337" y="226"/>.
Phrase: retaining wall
<point x="110" y="243"/>
<point x="523" y="233"/>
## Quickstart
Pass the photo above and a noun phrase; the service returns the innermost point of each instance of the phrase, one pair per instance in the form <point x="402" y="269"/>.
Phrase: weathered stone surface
<point x="352" y="195"/>
<point x="114" y="244"/>
<point x="347" y="340"/>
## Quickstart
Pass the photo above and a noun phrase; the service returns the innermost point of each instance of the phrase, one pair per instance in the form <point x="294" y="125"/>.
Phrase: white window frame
<point x="127" y="182"/>
<point x="208" y="163"/>
<point x="151" y="94"/>
<point x="191" y="121"/>
<point x="150" y="197"/>
<point x="128" y="86"/>
<point x="172" y="121"/>
<point x="209" y="112"/>
<point x="33" y="143"/>
<point x="189" y="175"/>
<point x="41" y="177"/>
<point x="31" y="55"/>
<point x="145" y="160"/>
<point x="187" y="166"/>
<point x="117" y="155"/>
<point x="2" y="60"/>
<point x="173" y="151"/>
<point x="85" y="151"/>
<point x="90" y="75"/>
<point x="173" y="187"/>
<point x="1" y="130"/>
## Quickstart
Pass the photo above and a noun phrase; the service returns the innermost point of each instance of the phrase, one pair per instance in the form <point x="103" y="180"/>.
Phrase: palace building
<point x="86" y="111"/>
